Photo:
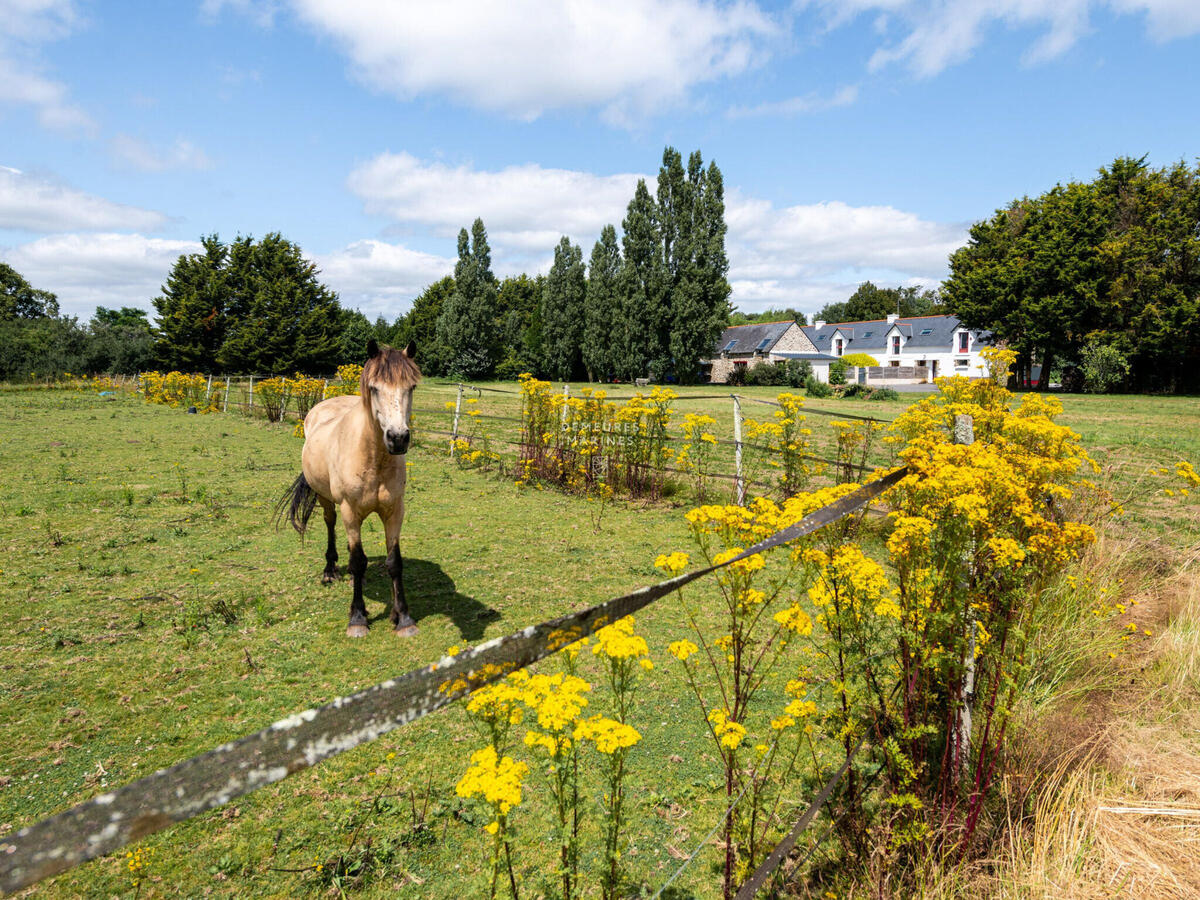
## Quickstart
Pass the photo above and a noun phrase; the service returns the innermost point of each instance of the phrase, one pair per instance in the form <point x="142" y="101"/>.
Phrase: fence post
<point x="737" y="450"/>
<point x="964" y="433"/>
<point x="324" y="389"/>
<point x="226" y="407"/>
<point x="566" y="395"/>
<point x="208" y="390"/>
<point x="250" y="403"/>
<point x="457" y="407"/>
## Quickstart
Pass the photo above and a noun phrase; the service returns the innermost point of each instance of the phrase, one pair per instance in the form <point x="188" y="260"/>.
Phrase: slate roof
<point x="745" y="339"/>
<point x="862" y="337"/>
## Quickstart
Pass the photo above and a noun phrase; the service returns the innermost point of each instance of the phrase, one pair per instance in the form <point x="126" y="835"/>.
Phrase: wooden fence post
<point x="737" y="450"/>
<point x="457" y="407"/>
<point x="227" y="381"/>
<point x="566" y="396"/>
<point x="250" y="403"/>
<point x="964" y="433"/>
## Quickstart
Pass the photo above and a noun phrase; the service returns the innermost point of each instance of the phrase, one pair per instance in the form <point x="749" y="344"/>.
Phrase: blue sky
<point x="858" y="139"/>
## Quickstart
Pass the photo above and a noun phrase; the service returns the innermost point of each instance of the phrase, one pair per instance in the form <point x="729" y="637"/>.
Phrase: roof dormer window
<point x="895" y="343"/>
<point x="964" y="341"/>
<point x="838" y="345"/>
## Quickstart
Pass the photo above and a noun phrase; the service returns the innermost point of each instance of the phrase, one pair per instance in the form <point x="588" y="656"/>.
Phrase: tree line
<point x="1102" y="276"/>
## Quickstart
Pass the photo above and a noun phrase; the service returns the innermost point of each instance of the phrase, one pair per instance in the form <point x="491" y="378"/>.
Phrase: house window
<point x="730" y="346"/>
<point x="895" y="343"/>
<point x="926" y="331"/>
<point x="963" y="341"/>
<point x="763" y="344"/>
<point x="867" y="334"/>
<point x="961" y="363"/>
<point x="896" y="363"/>
<point x="837" y="347"/>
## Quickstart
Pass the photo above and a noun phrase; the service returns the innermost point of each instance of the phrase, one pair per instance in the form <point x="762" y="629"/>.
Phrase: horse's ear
<point x="411" y="350"/>
<point x="372" y="349"/>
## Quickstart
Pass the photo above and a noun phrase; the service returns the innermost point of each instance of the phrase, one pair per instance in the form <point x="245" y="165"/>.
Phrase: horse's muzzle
<point x="396" y="441"/>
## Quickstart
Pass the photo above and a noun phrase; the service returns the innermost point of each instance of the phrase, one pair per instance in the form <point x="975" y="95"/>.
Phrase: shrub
<point x="815" y="388"/>
<point x="766" y="374"/>
<point x="737" y="377"/>
<point x="884" y="393"/>
<point x="851" y="391"/>
<point x="837" y="372"/>
<point x="860" y="359"/>
<point x="798" y="371"/>
<point x="1103" y="366"/>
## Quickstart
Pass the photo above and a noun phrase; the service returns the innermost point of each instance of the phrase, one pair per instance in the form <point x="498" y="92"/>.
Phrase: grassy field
<point x="153" y="612"/>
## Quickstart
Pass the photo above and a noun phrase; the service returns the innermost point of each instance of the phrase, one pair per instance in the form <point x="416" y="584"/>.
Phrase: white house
<point x="746" y="346"/>
<point x="920" y="348"/>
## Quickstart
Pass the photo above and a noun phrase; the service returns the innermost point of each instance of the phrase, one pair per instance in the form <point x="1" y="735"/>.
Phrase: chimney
<point x="820" y="323"/>
<point x="892" y="317"/>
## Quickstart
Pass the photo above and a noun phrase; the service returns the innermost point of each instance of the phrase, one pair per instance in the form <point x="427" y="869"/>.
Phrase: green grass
<point x="153" y="612"/>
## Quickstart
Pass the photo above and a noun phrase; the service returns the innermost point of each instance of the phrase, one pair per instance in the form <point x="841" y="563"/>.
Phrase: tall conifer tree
<point x="467" y="322"/>
<point x="643" y="287"/>
<point x="602" y="306"/>
<point x="562" y="311"/>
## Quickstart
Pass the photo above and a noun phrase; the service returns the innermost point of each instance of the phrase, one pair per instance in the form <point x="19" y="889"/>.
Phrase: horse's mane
<point x="391" y="367"/>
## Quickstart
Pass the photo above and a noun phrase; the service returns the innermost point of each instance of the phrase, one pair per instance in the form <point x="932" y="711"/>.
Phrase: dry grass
<point x="1113" y="809"/>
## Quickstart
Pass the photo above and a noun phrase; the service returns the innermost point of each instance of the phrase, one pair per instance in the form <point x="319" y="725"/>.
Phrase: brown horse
<point x="353" y="461"/>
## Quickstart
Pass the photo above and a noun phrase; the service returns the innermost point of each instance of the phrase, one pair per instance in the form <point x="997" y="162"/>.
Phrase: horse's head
<point x="388" y="380"/>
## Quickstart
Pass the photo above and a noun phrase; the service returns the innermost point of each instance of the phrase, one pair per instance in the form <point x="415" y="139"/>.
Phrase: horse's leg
<point x="401" y="620"/>
<point x="331" y="572"/>
<point x="358" y="626"/>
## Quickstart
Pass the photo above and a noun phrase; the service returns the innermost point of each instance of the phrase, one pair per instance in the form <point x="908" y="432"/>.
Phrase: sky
<point x="858" y="139"/>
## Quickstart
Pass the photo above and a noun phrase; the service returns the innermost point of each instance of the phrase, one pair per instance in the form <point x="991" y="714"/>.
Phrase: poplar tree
<point x="643" y="287"/>
<point x="467" y="323"/>
<point x="700" y="299"/>
<point x="562" y="311"/>
<point x="602" y="306"/>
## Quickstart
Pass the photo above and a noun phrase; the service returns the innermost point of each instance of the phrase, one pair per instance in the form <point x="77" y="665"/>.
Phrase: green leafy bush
<point x="818" y="389"/>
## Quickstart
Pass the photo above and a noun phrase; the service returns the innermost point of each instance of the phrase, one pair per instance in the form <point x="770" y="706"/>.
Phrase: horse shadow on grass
<point x="430" y="592"/>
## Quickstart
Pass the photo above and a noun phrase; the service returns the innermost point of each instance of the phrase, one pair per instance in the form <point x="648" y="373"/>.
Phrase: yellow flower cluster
<point x="497" y="779"/>
<point x="608" y="735"/>
<point x="681" y="650"/>
<point x="673" y="563"/>
<point x="176" y="389"/>
<point x="728" y="732"/>
<point x="348" y="381"/>
<point x="618" y="641"/>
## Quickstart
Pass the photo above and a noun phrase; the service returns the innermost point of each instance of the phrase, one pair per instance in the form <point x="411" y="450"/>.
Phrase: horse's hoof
<point x="331" y="577"/>
<point x="357" y="631"/>
<point x="407" y="631"/>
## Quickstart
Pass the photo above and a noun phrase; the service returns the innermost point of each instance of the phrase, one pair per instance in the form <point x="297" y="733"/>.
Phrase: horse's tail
<point x="296" y="505"/>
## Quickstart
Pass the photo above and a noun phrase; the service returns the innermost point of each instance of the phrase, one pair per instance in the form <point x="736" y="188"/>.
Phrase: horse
<point x="354" y="461"/>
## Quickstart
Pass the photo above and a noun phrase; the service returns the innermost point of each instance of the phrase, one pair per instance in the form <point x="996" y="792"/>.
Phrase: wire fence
<point x="193" y="786"/>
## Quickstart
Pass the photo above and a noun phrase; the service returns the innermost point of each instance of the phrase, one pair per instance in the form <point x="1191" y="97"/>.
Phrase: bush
<point x="1103" y="366"/>
<point x="817" y="389"/>
<point x="860" y="359"/>
<point x="798" y="371"/>
<point x="767" y="374"/>
<point x="737" y="377"/>
<point x="837" y="372"/>
<point x="851" y="391"/>
<point x="884" y="393"/>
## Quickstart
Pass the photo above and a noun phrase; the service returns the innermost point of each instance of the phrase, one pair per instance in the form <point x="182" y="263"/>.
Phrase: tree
<point x="562" y="311"/>
<point x="191" y="309"/>
<point x="602" y="305"/>
<point x="119" y="341"/>
<point x="354" y="330"/>
<point x="466" y="326"/>
<point x="643" y="290"/>
<point x="700" y="304"/>
<point x="518" y="306"/>
<point x="737" y="317"/>
<point x="278" y="316"/>
<point x="20" y="300"/>
<point x="869" y="302"/>
<point x="420" y="325"/>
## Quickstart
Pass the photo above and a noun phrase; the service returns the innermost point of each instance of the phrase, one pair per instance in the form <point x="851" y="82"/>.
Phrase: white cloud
<point x="137" y="154"/>
<point x="90" y="270"/>
<point x="381" y="279"/>
<point x="805" y="254"/>
<point x="30" y="203"/>
<point x="521" y="58"/>
<point x="935" y="36"/>
<point x="810" y="102"/>
<point x="526" y="208"/>
<point x="27" y="24"/>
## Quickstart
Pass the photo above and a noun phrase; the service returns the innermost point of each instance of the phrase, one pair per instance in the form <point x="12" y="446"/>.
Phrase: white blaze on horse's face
<point x="392" y="408"/>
